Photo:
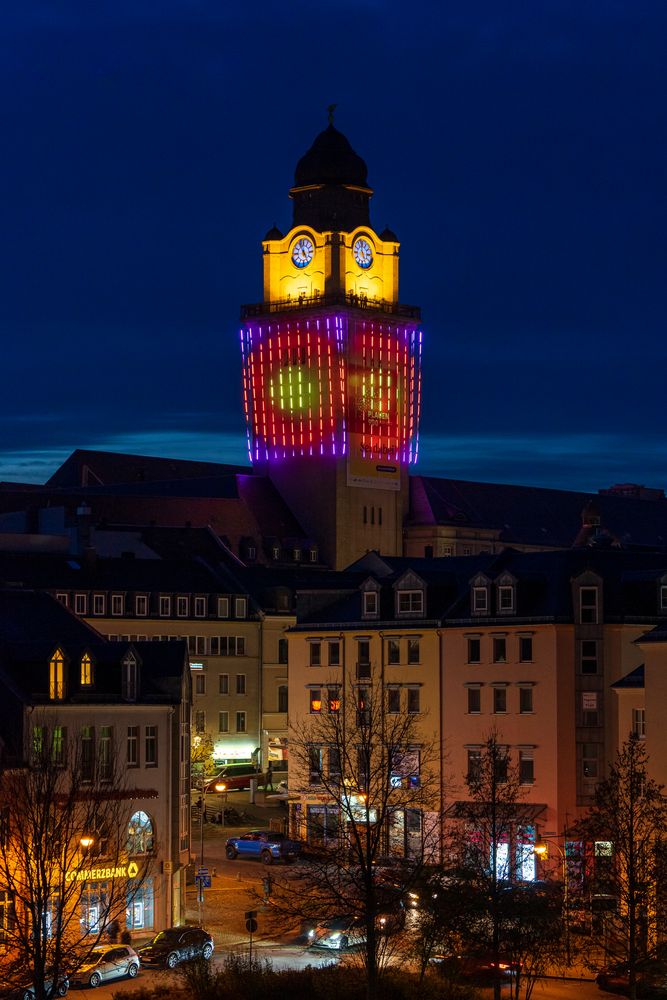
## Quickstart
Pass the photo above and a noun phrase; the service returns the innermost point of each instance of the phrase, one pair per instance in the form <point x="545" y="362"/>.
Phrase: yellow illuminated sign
<point x="98" y="874"/>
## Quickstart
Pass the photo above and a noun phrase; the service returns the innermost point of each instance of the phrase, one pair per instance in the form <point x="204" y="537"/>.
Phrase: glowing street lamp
<point x="220" y="786"/>
<point x="86" y="841"/>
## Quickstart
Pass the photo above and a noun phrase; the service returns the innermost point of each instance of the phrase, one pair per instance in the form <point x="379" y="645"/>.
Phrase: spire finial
<point x="330" y="112"/>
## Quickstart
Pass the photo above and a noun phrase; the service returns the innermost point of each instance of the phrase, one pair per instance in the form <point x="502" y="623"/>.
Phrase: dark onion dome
<point x="389" y="236"/>
<point x="330" y="160"/>
<point x="274" y="233"/>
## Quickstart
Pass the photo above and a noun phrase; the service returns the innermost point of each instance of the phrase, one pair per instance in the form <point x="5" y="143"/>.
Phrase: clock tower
<point x="331" y="362"/>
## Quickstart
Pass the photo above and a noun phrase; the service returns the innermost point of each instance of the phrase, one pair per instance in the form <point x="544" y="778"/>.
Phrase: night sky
<point x="517" y="149"/>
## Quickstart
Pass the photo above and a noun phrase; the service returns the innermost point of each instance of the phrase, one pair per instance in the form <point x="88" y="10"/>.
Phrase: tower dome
<point x="331" y="191"/>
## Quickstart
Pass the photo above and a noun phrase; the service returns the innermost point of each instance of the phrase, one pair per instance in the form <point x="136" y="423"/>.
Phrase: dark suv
<point x="175" y="945"/>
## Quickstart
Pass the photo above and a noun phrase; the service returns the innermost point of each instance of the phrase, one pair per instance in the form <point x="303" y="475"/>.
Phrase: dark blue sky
<point x="518" y="150"/>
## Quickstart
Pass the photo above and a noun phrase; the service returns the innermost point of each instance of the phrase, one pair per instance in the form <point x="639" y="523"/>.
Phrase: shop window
<point x="139" y="913"/>
<point x="140" y="834"/>
<point x="525" y="648"/>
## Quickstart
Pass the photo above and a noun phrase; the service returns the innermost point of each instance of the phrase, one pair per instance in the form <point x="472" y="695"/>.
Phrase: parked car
<point x="175" y="945"/>
<point x="339" y="933"/>
<point x="235" y="777"/>
<point x="478" y="968"/>
<point x="651" y="978"/>
<point x="27" y="992"/>
<point x="107" y="962"/>
<point x="267" y="845"/>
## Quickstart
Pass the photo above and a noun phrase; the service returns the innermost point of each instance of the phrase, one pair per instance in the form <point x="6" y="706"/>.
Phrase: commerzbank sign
<point x="97" y="874"/>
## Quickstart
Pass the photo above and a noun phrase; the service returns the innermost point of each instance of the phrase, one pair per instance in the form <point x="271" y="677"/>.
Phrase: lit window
<point x="333" y="696"/>
<point x="315" y="701"/>
<point x="57" y="676"/>
<point x="86" y="670"/>
<point x="140" y="837"/>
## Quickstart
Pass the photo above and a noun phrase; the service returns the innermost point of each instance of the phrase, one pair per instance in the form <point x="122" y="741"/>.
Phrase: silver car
<point x="339" y="933"/>
<point x="107" y="962"/>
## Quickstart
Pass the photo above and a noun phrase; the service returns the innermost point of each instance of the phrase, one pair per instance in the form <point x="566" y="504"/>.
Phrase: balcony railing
<point x="324" y="301"/>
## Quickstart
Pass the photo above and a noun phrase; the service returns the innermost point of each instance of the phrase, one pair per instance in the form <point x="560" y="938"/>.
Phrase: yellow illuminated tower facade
<point x="332" y="362"/>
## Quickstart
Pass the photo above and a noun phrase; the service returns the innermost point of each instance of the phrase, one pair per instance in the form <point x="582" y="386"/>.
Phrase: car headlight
<point x="335" y="935"/>
<point x="311" y="933"/>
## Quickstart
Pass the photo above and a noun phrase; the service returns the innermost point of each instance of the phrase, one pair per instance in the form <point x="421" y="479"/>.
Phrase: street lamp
<point x="222" y="787"/>
<point x="87" y="841"/>
<point x="541" y="849"/>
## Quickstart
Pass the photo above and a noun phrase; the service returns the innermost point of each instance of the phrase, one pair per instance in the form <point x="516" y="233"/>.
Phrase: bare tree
<point x="64" y="829"/>
<point x="627" y="823"/>
<point x="374" y="769"/>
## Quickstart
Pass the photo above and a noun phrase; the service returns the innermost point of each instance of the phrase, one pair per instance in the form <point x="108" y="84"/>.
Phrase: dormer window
<point x="480" y="595"/>
<point x="410" y="602"/>
<point x="57" y="676"/>
<point x="86" y="671"/>
<point x="506" y="595"/>
<point x="370" y="601"/>
<point x="130" y="672"/>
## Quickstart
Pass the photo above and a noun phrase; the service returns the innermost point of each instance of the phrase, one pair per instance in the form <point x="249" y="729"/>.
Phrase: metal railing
<point x="324" y="301"/>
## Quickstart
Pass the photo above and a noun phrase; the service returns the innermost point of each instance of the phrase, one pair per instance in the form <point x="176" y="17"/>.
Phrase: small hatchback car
<point x="107" y="962"/>
<point x="177" y="944"/>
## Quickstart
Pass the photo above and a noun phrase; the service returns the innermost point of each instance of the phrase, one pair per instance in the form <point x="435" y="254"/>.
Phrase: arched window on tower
<point x="140" y="836"/>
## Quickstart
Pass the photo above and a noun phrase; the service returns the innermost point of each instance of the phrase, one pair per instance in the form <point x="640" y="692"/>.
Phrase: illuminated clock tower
<point x="331" y="362"/>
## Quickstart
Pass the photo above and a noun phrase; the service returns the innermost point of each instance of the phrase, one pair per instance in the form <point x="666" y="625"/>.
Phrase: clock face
<point x="363" y="253"/>
<point x="303" y="252"/>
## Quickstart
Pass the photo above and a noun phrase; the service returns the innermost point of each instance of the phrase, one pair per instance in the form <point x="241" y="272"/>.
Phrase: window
<point x="182" y="606"/>
<point x="117" y="604"/>
<point x="86" y="670"/>
<point x="413" y="650"/>
<point x="589" y="656"/>
<point x="363" y="651"/>
<point x="315" y="654"/>
<point x="500" y="700"/>
<point x="240" y="683"/>
<point x="363" y="707"/>
<point x="404" y="768"/>
<point x="275" y="552"/>
<point x="133" y="746"/>
<point x="588" y="605"/>
<point x="223" y="722"/>
<point x="99" y="604"/>
<point x="413" y="701"/>
<point x="370" y="603"/>
<point x="105" y="753"/>
<point x="480" y="600"/>
<point x="200" y="683"/>
<point x="394" y="701"/>
<point x="410" y="602"/>
<point x="639" y="723"/>
<point x="334" y="654"/>
<point x="501" y="762"/>
<point x="589" y="708"/>
<point x="150" y="746"/>
<point x="165" y="607"/>
<point x="525" y="700"/>
<point x="200" y="721"/>
<point x="474" y="764"/>
<point x="240" y="722"/>
<point x="223" y="683"/>
<point x="499" y="650"/>
<point x="240" y="607"/>
<point x="57" y="676"/>
<point x="129" y="684"/>
<point x="525" y="648"/>
<point x="282" y="697"/>
<point x="200" y="645"/>
<point x="313" y="555"/>
<point x="6" y="912"/>
<point x="141" y="605"/>
<point x="81" y="604"/>
<point x="333" y="699"/>
<point x="393" y="651"/>
<point x="663" y="598"/>
<point x="505" y="599"/>
<point x="140" y="837"/>
<point x="316" y="768"/>
<point x="282" y="651"/>
<point x="590" y="760"/>
<point x="64" y="598"/>
<point x="526" y="767"/>
<point x="223" y="607"/>
<point x="296" y="555"/>
<point x="200" y="607"/>
<point x="87" y="753"/>
<point x="474" y="700"/>
<point x="59" y="746"/>
<point x="315" y="700"/>
<point x="474" y="650"/>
